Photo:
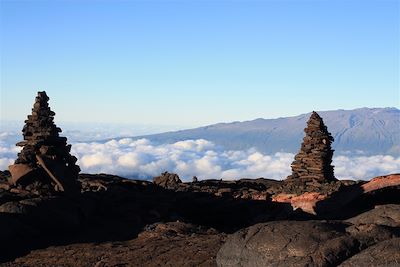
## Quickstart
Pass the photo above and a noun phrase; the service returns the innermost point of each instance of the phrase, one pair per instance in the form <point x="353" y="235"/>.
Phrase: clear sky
<point x="197" y="62"/>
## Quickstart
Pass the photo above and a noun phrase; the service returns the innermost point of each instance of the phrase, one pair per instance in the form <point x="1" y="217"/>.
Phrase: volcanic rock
<point x="117" y="221"/>
<point x="313" y="162"/>
<point x="160" y="244"/>
<point x="388" y="215"/>
<point x="382" y="182"/>
<point x="288" y="243"/>
<point x="45" y="158"/>
<point x="386" y="253"/>
<point x="167" y="180"/>
<point x="371" y="234"/>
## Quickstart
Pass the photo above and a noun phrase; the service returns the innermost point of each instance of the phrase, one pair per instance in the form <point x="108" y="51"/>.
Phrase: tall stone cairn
<point x="313" y="162"/>
<point x="45" y="156"/>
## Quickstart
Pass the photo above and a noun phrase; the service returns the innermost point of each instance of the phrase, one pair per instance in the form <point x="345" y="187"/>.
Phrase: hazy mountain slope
<point x="371" y="130"/>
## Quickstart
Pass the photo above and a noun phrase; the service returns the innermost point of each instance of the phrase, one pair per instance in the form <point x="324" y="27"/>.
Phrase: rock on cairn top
<point x="313" y="162"/>
<point x="45" y="157"/>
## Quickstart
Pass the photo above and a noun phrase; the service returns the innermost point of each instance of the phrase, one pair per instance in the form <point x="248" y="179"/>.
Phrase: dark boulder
<point x="386" y="253"/>
<point x="388" y="215"/>
<point x="288" y="243"/>
<point x="371" y="234"/>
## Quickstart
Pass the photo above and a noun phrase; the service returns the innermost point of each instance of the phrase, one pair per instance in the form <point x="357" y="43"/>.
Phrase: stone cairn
<point x="313" y="162"/>
<point x="45" y="160"/>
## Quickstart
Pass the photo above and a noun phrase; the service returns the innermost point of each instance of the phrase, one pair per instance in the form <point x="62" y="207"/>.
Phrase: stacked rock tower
<point x="313" y="162"/>
<point x="45" y="156"/>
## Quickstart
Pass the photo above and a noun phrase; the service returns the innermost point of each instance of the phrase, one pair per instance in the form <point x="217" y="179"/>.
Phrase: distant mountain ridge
<point x="370" y="131"/>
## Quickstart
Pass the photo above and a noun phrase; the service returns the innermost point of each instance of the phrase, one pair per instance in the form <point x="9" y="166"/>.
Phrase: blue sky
<point x="192" y="63"/>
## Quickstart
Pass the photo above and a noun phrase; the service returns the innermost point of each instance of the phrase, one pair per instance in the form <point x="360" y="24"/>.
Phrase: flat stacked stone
<point x="45" y="156"/>
<point x="313" y="162"/>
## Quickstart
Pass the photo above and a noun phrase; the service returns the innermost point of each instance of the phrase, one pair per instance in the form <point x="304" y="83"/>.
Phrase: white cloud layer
<point x="145" y="159"/>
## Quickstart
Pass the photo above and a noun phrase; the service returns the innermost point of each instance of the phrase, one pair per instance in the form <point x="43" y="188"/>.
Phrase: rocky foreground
<point x="261" y="222"/>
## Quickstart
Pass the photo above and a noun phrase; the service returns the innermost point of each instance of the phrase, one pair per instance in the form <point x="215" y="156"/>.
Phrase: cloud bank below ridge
<point x="144" y="159"/>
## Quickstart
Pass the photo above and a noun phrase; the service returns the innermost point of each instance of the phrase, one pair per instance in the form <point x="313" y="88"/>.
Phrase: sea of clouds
<point x="144" y="159"/>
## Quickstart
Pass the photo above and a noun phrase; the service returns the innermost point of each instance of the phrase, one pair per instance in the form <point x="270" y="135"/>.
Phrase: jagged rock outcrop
<point x="167" y="180"/>
<point x="313" y="162"/>
<point x="44" y="163"/>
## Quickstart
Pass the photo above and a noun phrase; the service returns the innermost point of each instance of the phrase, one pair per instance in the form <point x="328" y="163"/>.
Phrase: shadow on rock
<point x="353" y="200"/>
<point x="116" y="209"/>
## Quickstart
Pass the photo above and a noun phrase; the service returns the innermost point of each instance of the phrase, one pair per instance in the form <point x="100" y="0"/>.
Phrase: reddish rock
<point x="309" y="201"/>
<point x="306" y="202"/>
<point x="382" y="182"/>
<point x="18" y="171"/>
